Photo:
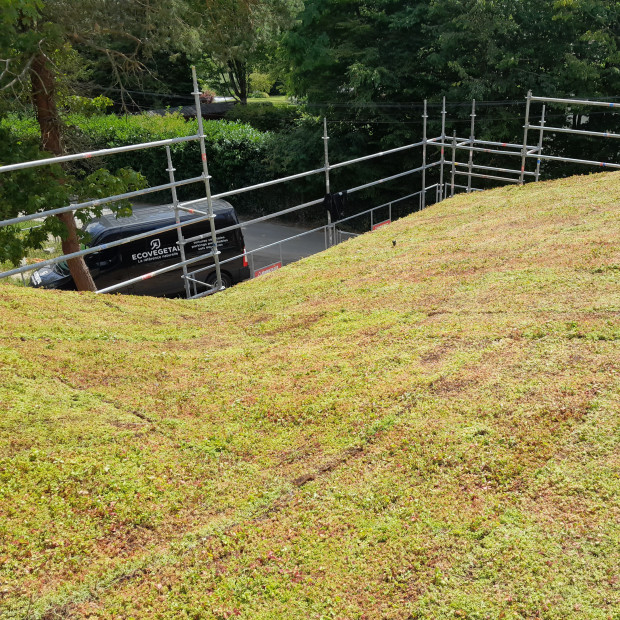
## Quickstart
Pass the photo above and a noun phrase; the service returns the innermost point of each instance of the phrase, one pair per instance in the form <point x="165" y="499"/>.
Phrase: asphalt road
<point x="265" y="233"/>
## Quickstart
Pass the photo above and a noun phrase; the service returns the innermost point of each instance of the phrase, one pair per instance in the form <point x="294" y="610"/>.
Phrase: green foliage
<point x="240" y="36"/>
<point x="235" y="150"/>
<point x="86" y="106"/>
<point x="366" y="61"/>
<point x="298" y="148"/>
<point x="261" y="82"/>
<point x="49" y="187"/>
<point x="46" y="190"/>
<point x="265" y="116"/>
<point x="362" y="50"/>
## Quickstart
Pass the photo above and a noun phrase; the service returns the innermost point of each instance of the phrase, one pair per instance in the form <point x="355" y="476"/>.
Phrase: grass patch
<point x="275" y="100"/>
<point x="420" y="430"/>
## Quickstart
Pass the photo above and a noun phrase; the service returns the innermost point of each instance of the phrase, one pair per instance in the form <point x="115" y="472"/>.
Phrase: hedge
<point x="239" y="155"/>
<point x="266" y="116"/>
<point x="235" y="151"/>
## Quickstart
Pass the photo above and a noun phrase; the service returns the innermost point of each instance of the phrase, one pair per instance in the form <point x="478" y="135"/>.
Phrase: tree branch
<point x="17" y="78"/>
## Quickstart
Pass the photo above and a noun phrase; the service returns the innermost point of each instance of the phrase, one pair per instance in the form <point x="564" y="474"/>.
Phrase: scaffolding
<point x="192" y="272"/>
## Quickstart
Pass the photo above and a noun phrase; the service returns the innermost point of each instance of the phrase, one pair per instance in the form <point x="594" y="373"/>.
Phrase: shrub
<point x="235" y="150"/>
<point x="86" y="106"/>
<point x="265" y="116"/>
<point x="261" y="82"/>
<point x="207" y="96"/>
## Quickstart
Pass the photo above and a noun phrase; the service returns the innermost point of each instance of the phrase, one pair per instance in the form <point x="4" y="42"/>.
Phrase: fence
<point x="333" y="231"/>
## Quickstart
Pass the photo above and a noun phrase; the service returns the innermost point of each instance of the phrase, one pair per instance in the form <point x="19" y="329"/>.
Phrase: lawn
<point x="422" y="422"/>
<point x="275" y="100"/>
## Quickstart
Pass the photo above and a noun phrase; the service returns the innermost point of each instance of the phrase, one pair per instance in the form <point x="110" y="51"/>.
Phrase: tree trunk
<point x="43" y="92"/>
<point x="237" y="76"/>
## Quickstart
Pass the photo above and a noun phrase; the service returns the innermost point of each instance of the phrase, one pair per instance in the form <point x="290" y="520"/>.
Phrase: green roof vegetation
<point x="425" y="429"/>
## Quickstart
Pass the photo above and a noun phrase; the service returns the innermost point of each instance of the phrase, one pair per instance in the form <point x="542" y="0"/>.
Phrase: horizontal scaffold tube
<point x="100" y="201"/>
<point x="462" y="146"/>
<point x="380" y="154"/>
<point x="569" y="160"/>
<point x="601" y="104"/>
<point x="103" y="246"/>
<point x="301" y="175"/>
<point x="494" y="169"/>
<point x="314" y="230"/>
<point x="392" y="178"/>
<point x="308" y="232"/>
<point x="485" y="142"/>
<point x="304" y="205"/>
<point x="101" y="153"/>
<point x="257" y="220"/>
<point x="486" y="176"/>
<point x="578" y="132"/>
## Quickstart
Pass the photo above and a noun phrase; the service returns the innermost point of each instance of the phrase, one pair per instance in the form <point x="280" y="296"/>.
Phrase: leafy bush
<point x="86" y="106"/>
<point x="261" y="82"/>
<point x="235" y="150"/>
<point x="24" y="129"/>
<point x="265" y="116"/>
<point x="255" y="143"/>
<point x="257" y="94"/>
<point x="207" y="96"/>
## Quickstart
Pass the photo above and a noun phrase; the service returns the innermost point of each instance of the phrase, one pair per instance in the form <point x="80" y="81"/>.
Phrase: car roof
<point x="144" y="219"/>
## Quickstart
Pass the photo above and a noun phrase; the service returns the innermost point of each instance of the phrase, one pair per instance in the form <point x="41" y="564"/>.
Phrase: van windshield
<point x="62" y="268"/>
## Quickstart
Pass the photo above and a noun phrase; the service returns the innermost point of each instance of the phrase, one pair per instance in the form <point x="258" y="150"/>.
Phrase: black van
<point x="111" y="266"/>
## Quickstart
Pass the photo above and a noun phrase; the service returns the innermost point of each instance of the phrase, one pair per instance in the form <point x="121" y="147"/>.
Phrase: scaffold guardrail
<point x="442" y="188"/>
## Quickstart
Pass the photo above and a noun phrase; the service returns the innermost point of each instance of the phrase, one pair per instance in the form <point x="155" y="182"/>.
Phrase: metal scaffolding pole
<point x="540" y="143"/>
<point x="330" y="233"/>
<point x="496" y="169"/>
<point x="98" y="202"/>
<point x="462" y="146"/>
<point x="205" y="172"/>
<point x="443" y="158"/>
<point x="443" y="188"/>
<point x="177" y="219"/>
<point x="423" y="196"/>
<point x="487" y="176"/>
<point x="453" y="163"/>
<point x="524" y="150"/>
<point x="571" y="160"/>
<point x="472" y="140"/>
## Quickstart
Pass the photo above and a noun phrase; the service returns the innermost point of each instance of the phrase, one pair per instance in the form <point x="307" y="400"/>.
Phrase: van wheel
<point x="226" y="280"/>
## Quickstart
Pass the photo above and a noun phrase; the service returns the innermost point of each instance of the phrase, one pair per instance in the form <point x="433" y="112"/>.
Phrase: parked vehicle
<point x="114" y="265"/>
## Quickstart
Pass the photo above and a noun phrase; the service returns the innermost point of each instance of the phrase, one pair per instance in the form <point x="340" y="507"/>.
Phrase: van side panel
<point x="118" y="264"/>
<point x="152" y="253"/>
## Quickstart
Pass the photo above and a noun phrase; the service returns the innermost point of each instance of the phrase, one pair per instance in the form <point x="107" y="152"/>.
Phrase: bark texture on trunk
<point x="237" y="76"/>
<point x="43" y="97"/>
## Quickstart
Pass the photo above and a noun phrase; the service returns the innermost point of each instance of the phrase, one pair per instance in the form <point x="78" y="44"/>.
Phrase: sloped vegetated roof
<point x="425" y="429"/>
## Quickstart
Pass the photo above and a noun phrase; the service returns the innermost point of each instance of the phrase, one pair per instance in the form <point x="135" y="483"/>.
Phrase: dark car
<point x="111" y="266"/>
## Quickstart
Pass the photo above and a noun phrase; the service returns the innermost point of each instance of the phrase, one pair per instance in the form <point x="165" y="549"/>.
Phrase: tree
<point x="49" y="187"/>
<point x="238" y="34"/>
<point x="371" y="60"/>
<point x="400" y="51"/>
<point x="33" y="31"/>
